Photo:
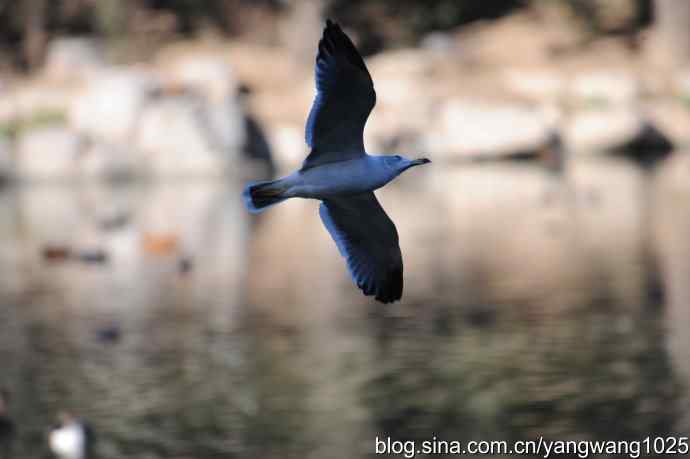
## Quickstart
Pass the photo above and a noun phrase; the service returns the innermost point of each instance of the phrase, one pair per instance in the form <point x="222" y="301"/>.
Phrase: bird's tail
<point x="261" y="195"/>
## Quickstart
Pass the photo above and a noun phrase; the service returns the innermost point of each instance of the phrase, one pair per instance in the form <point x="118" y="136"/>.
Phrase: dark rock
<point x="648" y="146"/>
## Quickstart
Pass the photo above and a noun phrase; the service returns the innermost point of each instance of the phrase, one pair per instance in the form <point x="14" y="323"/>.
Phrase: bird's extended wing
<point x="345" y="97"/>
<point x="368" y="240"/>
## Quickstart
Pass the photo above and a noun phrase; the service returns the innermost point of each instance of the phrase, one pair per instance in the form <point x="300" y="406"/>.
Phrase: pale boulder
<point x="47" y="153"/>
<point x="613" y="87"/>
<point x="596" y="131"/>
<point x="108" y="162"/>
<point x="73" y="58"/>
<point x="473" y="129"/>
<point x="174" y="139"/>
<point x="108" y="110"/>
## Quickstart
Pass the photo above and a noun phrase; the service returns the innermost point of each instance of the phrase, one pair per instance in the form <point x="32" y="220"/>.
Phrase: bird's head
<point x="400" y="163"/>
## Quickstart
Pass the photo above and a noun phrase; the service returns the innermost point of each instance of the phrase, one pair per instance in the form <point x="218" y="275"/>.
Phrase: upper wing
<point x="345" y="97"/>
<point x="367" y="238"/>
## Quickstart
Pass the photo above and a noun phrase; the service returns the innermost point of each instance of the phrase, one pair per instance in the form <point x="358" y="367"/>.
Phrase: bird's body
<point x="341" y="178"/>
<point x="340" y="173"/>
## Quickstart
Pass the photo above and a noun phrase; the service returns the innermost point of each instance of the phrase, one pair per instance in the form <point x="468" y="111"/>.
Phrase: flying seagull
<point x="340" y="173"/>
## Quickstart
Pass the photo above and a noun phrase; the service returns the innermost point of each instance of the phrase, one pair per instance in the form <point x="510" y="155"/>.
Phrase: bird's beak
<point x="420" y="161"/>
<point x="414" y="162"/>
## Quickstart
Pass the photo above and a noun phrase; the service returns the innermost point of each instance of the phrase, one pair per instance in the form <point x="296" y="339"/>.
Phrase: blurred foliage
<point x="405" y="21"/>
<point x="612" y="16"/>
<point x="47" y="117"/>
<point x="27" y="25"/>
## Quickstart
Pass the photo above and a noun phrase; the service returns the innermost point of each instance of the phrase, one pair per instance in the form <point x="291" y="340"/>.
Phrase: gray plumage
<point x="340" y="173"/>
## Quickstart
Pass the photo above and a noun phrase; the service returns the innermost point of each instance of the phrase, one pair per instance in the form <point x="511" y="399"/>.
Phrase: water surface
<point x="534" y="305"/>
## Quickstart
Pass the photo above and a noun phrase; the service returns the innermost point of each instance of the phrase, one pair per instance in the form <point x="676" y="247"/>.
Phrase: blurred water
<point x="531" y="308"/>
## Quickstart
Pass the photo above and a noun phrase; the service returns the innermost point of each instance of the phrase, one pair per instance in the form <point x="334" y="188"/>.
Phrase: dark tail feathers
<point x="261" y="195"/>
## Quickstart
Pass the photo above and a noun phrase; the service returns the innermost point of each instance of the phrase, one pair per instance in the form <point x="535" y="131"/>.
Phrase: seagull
<point x="71" y="438"/>
<point x="339" y="172"/>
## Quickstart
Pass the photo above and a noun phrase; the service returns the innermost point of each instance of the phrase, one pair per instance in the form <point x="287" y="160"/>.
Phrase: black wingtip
<point x="335" y="41"/>
<point x="392" y="287"/>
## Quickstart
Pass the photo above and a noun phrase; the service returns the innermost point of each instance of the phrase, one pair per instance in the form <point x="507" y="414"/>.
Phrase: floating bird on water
<point x="71" y="438"/>
<point x="341" y="174"/>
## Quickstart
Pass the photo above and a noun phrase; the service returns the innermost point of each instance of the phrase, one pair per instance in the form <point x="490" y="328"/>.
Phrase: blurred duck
<point x="70" y="438"/>
<point x="6" y="426"/>
<point x="553" y="154"/>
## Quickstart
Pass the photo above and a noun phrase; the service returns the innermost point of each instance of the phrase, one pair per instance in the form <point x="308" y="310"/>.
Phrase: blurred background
<point x="547" y="248"/>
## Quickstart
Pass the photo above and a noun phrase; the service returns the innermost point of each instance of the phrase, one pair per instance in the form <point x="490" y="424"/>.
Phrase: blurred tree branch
<point x="35" y="37"/>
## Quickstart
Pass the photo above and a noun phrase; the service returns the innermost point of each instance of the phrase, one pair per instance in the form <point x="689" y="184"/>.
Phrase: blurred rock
<point x="38" y="101"/>
<point x="175" y="138"/>
<point x="439" y="42"/>
<point x="110" y="162"/>
<point x="224" y="123"/>
<point x="605" y="87"/>
<point x="486" y="42"/>
<point x="668" y="44"/>
<point x="49" y="214"/>
<point x="616" y="131"/>
<point x="672" y="118"/>
<point x="210" y="78"/>
<point x="208" y="74"/>
<point x="73" y="58"/>
<point x="648" y="146"/>
<point x="109" y="108"/>
<point x="680" y="84"/>
<point x="289" y="146"/>
<point x="609" y="15"/>
<point x="477" y="130"/>
<point x="601" y="130"/>
<point x="538" y="85"/>
<point x="47" y="153"/>
<point x="251" y="61"/>
<point x="402" y="63"/>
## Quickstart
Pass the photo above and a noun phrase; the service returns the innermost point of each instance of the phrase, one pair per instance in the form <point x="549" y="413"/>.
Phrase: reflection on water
<point x="206" y="333"/>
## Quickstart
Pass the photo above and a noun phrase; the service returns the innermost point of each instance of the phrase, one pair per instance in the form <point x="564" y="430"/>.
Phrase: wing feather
<point x="368" y="240"/>
<point x="345" y="96"/>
